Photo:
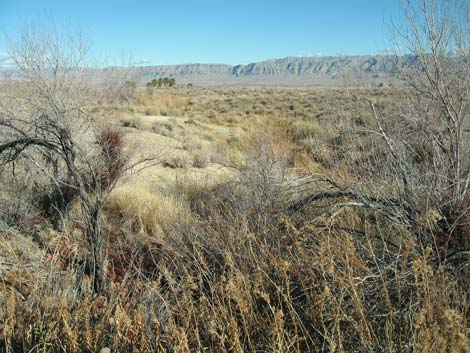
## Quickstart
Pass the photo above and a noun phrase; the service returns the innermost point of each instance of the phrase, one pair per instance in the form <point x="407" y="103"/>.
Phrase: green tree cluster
<point x="162" y="82"/>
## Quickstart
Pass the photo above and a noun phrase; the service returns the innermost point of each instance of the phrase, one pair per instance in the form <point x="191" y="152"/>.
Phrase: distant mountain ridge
<point x="312" y="71"/>
<point x="289" y="71"/>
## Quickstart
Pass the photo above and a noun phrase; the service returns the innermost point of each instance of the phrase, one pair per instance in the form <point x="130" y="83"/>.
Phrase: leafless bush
<point x="119" y="85"/>
<point x="431" y="152"/>
<point x="46" y="122"/>
<point x="414" y="165"/>
<point x="18" y="197"/>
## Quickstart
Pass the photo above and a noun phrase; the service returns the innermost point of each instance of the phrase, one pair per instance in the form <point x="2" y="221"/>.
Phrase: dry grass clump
<point x="163" y="100"/>
<point x="135" y="122"/>
<point x="199" y="159"/>
<point x="142" y="210"/>
<point x="165" y="128"/>
<point x="158" y="102"/>
<point x="179" y="161"/>
<point x="151" y="111"/>
<point x="305" y="129"/>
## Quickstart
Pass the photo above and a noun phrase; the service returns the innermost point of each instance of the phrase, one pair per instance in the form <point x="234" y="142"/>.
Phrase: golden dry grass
<point x="207" y="257"/>
<point x="144" y="211"/>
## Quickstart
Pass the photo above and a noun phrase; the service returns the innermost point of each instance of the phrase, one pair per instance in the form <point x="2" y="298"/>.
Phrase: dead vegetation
<point x="279" y="220"/>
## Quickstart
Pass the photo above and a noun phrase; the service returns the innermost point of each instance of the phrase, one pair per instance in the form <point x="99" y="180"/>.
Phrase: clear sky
<point x="157" y="32"/>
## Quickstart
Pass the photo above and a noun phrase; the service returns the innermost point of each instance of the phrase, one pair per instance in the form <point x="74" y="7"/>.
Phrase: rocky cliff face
<point x="290" y="71"/>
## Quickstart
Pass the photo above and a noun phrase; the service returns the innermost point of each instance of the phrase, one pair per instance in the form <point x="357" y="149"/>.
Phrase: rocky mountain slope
<point x="315" y="71"/>
<point x="289" y="71"/>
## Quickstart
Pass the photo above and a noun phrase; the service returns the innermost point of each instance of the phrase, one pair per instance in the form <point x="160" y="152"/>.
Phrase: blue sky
<point x="209" y="31"/>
